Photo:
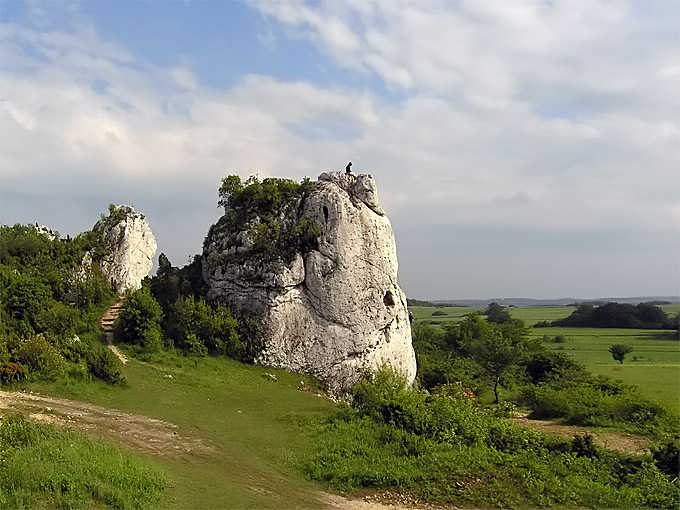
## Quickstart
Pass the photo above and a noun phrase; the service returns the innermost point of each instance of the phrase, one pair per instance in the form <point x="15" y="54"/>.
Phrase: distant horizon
<point x="673" y="299"/>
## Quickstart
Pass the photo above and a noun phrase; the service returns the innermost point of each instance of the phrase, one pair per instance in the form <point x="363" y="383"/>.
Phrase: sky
<point x="520" y="148"/>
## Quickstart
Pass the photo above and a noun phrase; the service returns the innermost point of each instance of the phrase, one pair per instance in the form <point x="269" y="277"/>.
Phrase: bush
<point x="446" y="415"/>
<point x="552" y="366"/>
<point x="139" y="322"/>
<point x="214" y="328"/>
<point x="105" y="365"/>
<point x="444" y="448"/>
<point x="40" y="357"/>
<point x="74" y="349"/>
<point x="598" y="402"/>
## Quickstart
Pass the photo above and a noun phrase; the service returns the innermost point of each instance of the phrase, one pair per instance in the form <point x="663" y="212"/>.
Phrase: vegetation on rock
<point x="269" y="213"/>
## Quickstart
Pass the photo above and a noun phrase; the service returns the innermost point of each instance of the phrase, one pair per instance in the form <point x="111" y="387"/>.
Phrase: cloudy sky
<point x="521" y="148"/>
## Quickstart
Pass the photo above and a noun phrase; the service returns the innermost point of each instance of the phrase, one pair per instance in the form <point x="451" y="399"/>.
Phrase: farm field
<point x="441" y="315"/>
<point x="654" y="364"/>
<point x="248" y="423"/>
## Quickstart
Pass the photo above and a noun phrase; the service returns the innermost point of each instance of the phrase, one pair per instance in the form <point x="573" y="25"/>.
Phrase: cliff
<point x="333" y="307"/>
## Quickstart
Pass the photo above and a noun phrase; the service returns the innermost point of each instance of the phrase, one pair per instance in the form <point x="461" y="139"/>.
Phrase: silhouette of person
<point x="348" y="170"/>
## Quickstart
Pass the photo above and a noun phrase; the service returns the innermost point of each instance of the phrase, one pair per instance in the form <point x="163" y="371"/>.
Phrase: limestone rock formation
<point x="130" y="247"/>
<point x="334" y="310"/>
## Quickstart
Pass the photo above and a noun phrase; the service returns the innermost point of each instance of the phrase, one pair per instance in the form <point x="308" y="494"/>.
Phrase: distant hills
<point x="555" y="302"/>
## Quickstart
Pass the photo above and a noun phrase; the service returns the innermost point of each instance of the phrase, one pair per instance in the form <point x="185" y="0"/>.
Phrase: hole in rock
<point x="325" y="213"/>
<point x="388" y="299"/>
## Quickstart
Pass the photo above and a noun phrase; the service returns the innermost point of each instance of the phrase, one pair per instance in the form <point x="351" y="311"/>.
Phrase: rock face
<point x="130" y="247"/>
<point x="332" y="311"/>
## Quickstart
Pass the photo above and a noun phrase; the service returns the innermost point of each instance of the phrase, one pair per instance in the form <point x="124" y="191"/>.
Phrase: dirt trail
<point x="140" y="433"/>
<point x="157" y="437"/>
<point x="619" y="441"/>
<point x="106" y="322"/>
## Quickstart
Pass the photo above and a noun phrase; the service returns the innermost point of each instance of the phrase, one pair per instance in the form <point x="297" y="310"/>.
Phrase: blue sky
<point x="521" y="148"/>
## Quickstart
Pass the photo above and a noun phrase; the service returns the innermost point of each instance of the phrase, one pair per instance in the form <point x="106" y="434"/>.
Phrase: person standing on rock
<point x="348" y="169"/>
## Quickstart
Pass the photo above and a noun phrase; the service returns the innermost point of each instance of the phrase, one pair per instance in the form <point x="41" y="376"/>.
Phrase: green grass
<point x="448" y="450"/>
<point x="533" y="314"/>
<point x="656" y="369"/>
<point x="250" y="423"/>
<point x="51" y="467"/>
<point x="453" y="313"/>
<point x="654" y="364"/>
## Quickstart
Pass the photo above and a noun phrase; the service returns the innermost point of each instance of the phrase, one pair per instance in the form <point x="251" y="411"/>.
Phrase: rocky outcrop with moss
<point x="316" y="264"/>
<point x="128" y="248"/>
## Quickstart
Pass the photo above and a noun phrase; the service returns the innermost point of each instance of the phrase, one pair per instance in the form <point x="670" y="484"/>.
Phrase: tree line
<point x="616" y="315"/>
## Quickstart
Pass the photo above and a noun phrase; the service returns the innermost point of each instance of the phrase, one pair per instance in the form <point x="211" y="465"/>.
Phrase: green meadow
<point x="249" y="424"/>
<point x="654" y="364"/>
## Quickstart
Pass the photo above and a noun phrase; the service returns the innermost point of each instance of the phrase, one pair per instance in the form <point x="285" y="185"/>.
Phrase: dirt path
<point x="620" y="441"/>
<point x="140" y="433"/>
<point x="106" y="322"/>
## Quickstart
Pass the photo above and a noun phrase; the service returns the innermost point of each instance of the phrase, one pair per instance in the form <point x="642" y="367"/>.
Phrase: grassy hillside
<point x="247" y="421"/>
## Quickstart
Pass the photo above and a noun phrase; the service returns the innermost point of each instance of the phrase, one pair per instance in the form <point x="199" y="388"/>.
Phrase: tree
<point x="498" y="348"/>
<point x="619" y="351"/>
<point x="496" y="314"/>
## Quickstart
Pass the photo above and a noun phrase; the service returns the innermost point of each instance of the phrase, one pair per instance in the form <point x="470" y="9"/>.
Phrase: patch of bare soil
<point x="619" y="441"/>
<point x="141" y="433"/>
<point x="379" y="500"/>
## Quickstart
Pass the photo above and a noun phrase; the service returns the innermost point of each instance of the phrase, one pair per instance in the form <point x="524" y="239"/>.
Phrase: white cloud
<point x="184" y="78"/>
<point x="545" y="117"/>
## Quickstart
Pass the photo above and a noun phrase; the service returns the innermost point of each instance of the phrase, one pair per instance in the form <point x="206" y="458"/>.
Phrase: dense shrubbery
<point x="549" y="383"/>
<point x="475" y="352"/>
<point x="601" y="402"/>
<point x="187" y="321"/>
<point x="139" y="322"/>
<point x="616" y="315"/>
<point x="445" y="447"/>
<point x="50" y="299"/>
<point x="270" y="212"/>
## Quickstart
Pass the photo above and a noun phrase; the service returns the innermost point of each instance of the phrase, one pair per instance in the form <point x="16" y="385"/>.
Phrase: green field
<point x="249" y="422"/>
<point x="451" y="313"/>
<point x="654" y="364"/>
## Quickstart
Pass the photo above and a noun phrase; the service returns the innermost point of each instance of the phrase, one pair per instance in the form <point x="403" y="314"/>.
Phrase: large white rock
<point x="334" y="311"/>
<point x="130" y="248"/>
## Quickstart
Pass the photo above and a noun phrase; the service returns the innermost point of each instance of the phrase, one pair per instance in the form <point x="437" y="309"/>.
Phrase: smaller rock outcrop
<point x="129" y="247"/>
